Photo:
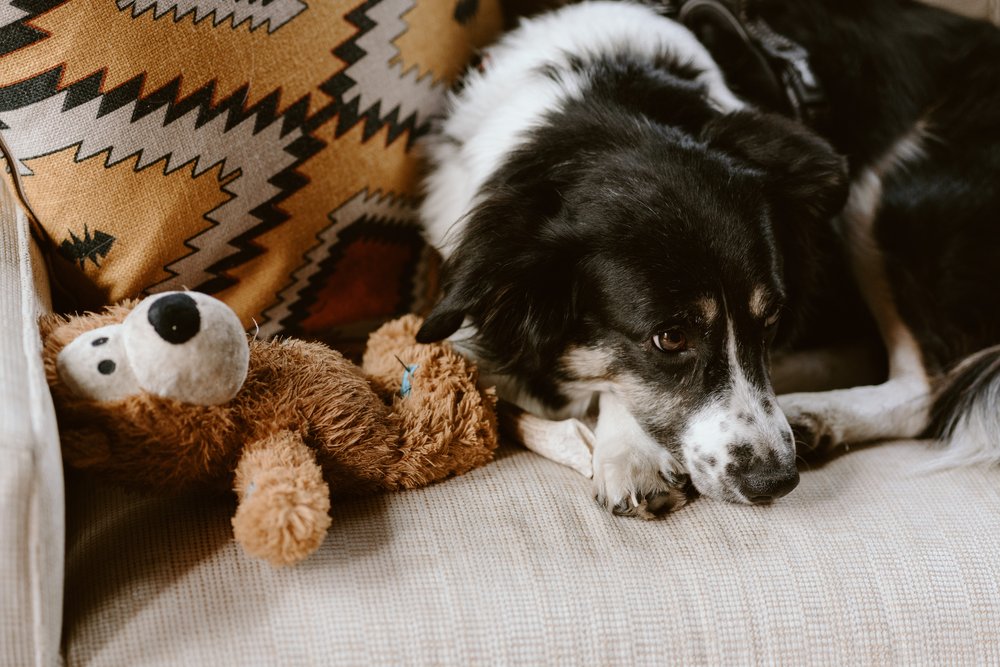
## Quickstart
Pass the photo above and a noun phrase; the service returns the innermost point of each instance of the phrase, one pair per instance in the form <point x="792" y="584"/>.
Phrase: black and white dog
<point x="622" y="232"/>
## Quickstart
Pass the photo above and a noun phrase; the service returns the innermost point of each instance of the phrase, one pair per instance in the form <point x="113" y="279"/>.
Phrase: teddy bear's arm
<point x="284" y="502"/>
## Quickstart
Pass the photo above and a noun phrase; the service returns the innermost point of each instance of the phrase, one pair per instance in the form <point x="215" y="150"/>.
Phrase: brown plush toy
<point x="168" y="394"/>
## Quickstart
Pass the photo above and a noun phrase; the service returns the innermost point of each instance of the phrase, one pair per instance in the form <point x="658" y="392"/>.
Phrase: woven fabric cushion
<point x="867" y="562"/>
<point x="977" y="9"/>
<point x="258" y="151"/>
<point x="32" y="528"/>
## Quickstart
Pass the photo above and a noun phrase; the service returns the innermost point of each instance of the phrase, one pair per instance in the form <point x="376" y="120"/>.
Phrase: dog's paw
<point x="647" y="505"/>
<point x="646" y="492"/>
<point x="815" y="432"/>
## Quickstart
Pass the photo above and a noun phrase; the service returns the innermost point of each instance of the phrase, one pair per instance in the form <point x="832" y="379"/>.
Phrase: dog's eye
<point x="671" y="340"/>
<point x="772" y="319"/>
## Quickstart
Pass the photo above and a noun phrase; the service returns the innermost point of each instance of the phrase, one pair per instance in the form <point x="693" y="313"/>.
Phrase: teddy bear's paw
<point x="282" y="521"/>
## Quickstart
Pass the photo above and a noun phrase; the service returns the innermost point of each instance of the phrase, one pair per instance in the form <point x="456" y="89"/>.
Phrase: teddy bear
<point x="170" y="394"/>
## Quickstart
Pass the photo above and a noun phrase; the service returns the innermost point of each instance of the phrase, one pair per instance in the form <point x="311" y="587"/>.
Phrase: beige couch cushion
<point x="977" y="9"/>
<point x="865" y="563"/>
<point x="31" y="484"/>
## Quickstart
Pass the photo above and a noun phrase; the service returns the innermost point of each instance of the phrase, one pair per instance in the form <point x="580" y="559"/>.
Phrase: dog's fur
<point x="600" y="194"/>
<point x="914" y="104"/>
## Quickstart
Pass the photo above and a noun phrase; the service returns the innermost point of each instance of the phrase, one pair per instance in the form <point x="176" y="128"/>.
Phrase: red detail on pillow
<point x="366" y="285"/>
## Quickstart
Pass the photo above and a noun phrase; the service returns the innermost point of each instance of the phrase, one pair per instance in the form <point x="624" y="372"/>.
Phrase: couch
<point x="870" y="561"/>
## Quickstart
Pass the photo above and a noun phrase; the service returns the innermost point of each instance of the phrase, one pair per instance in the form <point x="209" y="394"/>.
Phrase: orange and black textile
<point x="262" y="152"/>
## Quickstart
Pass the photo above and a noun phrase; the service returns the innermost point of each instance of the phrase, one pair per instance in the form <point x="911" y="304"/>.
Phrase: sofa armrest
<point x="32" y="512"/>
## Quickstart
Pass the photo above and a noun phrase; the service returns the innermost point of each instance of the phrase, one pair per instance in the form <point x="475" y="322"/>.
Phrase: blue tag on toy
<point x="408" y="372"/>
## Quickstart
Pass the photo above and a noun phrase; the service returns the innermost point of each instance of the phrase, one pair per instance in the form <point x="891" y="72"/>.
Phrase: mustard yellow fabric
<point x="262" y="152"/>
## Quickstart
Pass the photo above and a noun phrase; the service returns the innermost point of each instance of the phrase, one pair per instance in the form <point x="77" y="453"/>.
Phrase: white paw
<point x="630" y="484"/>
<point x="815" y="429"/>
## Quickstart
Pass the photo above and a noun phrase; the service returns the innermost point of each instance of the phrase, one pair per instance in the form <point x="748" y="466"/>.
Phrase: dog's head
<point x="659" y="264"/>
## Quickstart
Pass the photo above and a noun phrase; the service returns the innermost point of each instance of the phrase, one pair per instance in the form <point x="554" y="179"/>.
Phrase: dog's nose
<point x="765" y="483"/>
<point x="175" y="318"/>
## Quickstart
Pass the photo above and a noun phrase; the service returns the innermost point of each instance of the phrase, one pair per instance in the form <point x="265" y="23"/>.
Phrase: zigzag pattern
<point x="246" y="147"/>
<point x="209" y="276"/>
<point x="15" y="33"/>
<point x="284" y="183"/>
<point x="151" y="139"/>
<point x="45" y="86"/>
<point x="354" y="103"/>
<point x="151" y="131"/>
<point x="250" y="212"/>
<point x="291" y="304"/>
<point x="408" y="96"/>
<point x="178" y="131"/>
<point x="273" y="14"/>
<point x="10" y="13"/>
<point x="408" y="101"/>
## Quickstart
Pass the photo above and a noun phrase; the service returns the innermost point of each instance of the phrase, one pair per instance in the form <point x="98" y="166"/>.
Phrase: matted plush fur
<point x="305" y="415"/>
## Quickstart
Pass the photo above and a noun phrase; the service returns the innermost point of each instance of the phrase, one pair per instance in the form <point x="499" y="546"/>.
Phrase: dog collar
<point x="785" y="62"/>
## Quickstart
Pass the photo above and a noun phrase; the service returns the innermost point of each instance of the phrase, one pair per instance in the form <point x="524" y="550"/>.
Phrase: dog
<point x="625" y="236"/>
<point x="914" y="97"/>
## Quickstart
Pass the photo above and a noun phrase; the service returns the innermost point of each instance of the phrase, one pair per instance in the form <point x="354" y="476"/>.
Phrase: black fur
<point x="887" y="65"/>
<point x="622" y="210"/>
<point x="957" y="393"/>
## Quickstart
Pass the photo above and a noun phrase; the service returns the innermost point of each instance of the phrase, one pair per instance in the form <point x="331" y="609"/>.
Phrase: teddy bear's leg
<point x="284" y="502"/>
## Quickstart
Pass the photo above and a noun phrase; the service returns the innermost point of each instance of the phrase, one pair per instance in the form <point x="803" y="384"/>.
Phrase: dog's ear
<point x="802" y="172"/>
<point x="482" y="266"/>
<point x="805" y="183"/>
<point x="445" y="319"/>
<point x="516" y="287"/>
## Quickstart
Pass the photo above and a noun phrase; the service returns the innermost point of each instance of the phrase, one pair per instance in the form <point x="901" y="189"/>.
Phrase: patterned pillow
<point x="257" y="150"/>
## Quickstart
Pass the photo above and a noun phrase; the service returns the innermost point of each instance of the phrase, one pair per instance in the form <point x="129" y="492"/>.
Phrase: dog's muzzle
<point x="763" y="483"/>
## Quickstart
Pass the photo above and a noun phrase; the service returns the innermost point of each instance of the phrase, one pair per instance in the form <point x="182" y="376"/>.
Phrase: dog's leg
<point x="633" y="474"/>
<point x="566" y="441"/>
<point x="897" y="408"/>
<point x="893" y="409"/>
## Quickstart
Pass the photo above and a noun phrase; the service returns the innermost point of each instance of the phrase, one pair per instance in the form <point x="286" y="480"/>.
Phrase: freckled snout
<point x="741" y="457"/>
<point x="762" y="469"/>
<point x="763" y="482"/>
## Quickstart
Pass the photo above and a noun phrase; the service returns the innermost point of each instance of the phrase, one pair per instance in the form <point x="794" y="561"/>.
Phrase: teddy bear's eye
<point x="106" y="367"/>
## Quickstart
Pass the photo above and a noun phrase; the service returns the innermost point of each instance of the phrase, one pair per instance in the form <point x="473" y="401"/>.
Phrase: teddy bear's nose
<point x="175" y="318"/>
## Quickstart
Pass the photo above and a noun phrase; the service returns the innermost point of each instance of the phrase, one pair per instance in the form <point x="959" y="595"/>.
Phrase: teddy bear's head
<point x="182" y="345"/>
<point x="142" y="389"/>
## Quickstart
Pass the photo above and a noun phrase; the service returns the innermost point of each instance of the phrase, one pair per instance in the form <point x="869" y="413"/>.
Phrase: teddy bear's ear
<point x="48" y="323"/>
